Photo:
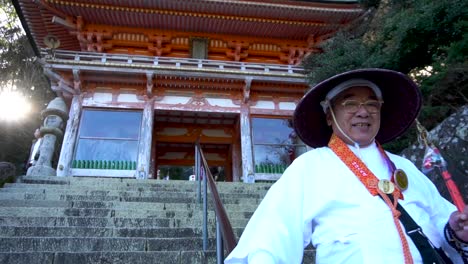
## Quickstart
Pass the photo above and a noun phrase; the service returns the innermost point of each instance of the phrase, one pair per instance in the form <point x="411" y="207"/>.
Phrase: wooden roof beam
<point x="62" y="85"/>
<point x="54" y="11"/>
<point x="64" y="22"/>
<point x="192" y="138"/>
<point x="191" y="126"/>
<point x="55" y="77"/>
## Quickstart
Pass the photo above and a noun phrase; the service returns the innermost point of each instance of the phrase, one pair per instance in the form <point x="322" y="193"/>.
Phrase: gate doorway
<point x="174" y="135"/>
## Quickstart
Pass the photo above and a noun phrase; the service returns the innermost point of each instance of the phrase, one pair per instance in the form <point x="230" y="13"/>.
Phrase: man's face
<point x="357" y="111"/>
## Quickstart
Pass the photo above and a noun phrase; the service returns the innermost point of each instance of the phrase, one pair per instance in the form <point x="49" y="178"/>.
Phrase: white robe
<point x="319" y="200"/>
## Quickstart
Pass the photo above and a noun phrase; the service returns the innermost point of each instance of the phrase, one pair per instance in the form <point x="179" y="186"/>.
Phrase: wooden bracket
<point x="61" y="85"/>
<point x="76" y="80"/>
<point x="149" y="84"/>
<point x="248" y="83"/>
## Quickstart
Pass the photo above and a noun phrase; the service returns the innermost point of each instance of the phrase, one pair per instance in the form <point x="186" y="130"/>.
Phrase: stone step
<point x="99" y="192"/>
<point x="104" y="222"/>
<point x="117" y="222"/>
<point x="128" y="192"/>
<point x="114" y="220"/>
<point x="122" y="205"/>
<point x="109" y="183"/>
<point x="44" y="231"/>
<point x="115" y="257"/>
<point x="67" y="197"/>
<point x="125" y="193"/>
<point x="148" y="187"/>
<point x="143" y="188"/>
<point x="121" y="213"/>
<point x="105" y="198"/>
<point x="90" y="244"/>
<point x="57" y="231"/>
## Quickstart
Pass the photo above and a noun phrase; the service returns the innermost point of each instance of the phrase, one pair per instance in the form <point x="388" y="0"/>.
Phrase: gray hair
<point x="346" y="85"/>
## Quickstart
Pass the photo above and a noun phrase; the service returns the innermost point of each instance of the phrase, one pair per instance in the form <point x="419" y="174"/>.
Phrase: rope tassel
<point x="433" y="160"/>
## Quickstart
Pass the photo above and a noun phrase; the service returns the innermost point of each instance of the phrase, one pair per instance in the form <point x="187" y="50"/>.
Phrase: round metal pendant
<point x="386" y="186"/>
<point x="401" y="179"/>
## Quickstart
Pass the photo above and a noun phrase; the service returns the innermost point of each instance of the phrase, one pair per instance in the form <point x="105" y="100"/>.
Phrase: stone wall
<point x="451" y="137"/>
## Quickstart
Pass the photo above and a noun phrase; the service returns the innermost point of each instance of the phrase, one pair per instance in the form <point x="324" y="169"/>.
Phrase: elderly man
<point x="355" y="202"/>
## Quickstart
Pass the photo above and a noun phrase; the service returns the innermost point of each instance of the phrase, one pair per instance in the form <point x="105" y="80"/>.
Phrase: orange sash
<point x="371" y="182"/>
<point x="358" y="167"/>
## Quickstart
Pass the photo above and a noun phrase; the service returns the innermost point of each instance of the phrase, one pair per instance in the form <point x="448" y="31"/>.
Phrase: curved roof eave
<point x="292" y="21"/>
<point x="26" y="28"/>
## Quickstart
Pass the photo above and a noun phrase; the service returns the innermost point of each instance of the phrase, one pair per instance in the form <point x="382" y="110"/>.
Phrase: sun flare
<point x="13" y="106"/>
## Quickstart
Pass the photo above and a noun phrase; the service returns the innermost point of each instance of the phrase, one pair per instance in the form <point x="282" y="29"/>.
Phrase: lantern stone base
<point x="40" y="170"/>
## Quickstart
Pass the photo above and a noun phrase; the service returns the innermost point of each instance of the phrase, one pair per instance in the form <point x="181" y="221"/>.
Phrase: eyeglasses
<point x="371" y="106"/>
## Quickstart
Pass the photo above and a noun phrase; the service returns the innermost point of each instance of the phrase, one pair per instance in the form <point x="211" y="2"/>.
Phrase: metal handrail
<point x="224" y="231"/>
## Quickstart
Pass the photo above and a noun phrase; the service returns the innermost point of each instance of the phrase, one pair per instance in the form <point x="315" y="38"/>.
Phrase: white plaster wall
<point x="287" y="106"/>
<point x="128" y="95"/>
<point x="128" y="98"/>
<point x="223" y="102"/>
<point x="170" y="99"/>
<point x="102" y="97"/>
<point x="264" y="105"/>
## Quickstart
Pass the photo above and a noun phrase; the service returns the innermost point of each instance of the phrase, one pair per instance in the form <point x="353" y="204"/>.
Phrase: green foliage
<point x="403" y="141"/>
<point x="342" y="53"/>
<point x="10" y="179"/>
<point x="425" y="39"/>
<point x="19" y="72"/>
<point x="369" y="3"/>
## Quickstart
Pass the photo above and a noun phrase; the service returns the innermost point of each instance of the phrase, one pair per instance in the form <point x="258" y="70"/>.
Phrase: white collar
<point x="373" y="158"/>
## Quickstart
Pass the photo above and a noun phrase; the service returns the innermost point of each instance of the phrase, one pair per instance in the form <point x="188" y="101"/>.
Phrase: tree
<point x="19" y="71"/>
<point x="426" y="39"/>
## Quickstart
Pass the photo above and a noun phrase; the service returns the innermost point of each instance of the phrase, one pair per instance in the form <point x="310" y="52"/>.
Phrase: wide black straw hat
<point x="401" y="96"/>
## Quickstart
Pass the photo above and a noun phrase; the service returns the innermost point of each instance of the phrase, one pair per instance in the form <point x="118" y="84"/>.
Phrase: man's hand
<point x="458" y="221"/>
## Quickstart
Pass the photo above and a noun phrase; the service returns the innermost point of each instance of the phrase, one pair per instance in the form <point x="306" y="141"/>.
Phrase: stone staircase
<point x="55" y="220"/>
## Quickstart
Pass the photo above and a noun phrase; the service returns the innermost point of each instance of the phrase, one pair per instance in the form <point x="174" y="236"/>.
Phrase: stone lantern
<point x="55" y="116"/>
